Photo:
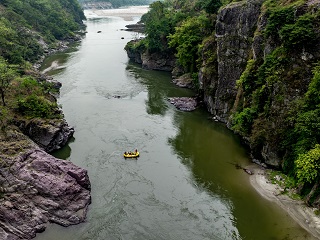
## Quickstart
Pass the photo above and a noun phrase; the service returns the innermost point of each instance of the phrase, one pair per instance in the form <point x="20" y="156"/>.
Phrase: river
<point x="183" y="186"/>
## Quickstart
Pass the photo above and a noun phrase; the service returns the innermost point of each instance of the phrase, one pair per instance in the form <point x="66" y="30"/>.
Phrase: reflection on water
<point x="64" y="152"/>
<point x="159" y="87"/>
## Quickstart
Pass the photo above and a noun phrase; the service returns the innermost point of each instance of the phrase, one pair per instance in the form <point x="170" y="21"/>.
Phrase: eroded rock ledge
<point x="50" y="135"/>
<point x="37" y="188"/>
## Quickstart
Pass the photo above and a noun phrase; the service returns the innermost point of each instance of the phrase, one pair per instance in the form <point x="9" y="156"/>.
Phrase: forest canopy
<point x="24" y="22"/>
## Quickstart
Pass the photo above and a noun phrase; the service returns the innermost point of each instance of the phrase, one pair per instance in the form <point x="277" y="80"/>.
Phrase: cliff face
<point x="235" y="27"/>
<point x="239" y="38"/>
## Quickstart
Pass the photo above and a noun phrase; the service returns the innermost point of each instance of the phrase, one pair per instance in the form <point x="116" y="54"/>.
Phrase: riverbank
<point x="297" y="209"/>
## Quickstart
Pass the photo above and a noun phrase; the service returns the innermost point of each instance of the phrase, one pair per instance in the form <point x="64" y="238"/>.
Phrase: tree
<point x="308" y="165"/>
<point x="210" y="6"/>
<point x="157" y="27"/>
<point x="187" y="38"/>
<point x="7" y="74"/>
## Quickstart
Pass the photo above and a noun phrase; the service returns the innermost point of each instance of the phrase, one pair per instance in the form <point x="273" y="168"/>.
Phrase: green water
<point x="183" y="186"/>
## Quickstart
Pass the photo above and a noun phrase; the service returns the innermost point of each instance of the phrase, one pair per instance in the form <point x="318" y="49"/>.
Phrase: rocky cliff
<point x="240" y="40"/>
<point x="235" y="27"/>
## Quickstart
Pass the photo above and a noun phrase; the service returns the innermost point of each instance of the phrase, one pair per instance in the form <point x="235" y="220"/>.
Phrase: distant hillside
<point x="25" y="26"/>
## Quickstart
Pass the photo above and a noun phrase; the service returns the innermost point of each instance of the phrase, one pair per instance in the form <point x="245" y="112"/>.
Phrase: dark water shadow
<point x="65" y="151"/>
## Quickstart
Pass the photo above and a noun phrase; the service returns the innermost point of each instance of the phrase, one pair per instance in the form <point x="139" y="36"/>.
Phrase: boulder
<point x="48" y="134"/>
<point x="184" y="103"/>
<point x="184" y="81"/>
<point x="37" y="188"/>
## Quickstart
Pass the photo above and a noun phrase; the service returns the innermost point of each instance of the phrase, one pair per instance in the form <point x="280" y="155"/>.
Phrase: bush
<point x="308" y="165"/>
<point x="34" y="106"/>
<point x="242" y="121"/>
<point x="277" y="19"/>
<point x="299" y="34"/>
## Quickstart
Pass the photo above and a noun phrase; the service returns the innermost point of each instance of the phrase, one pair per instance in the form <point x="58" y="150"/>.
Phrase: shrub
<point x="242" y="121"/>
<point x="277" y="19"/>
<point x="37" y="106"/>
<point x="308" y="165"/>
<point x="299" y="34"/>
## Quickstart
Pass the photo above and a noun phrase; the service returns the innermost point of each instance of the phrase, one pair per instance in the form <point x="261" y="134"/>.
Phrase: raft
<point x="131" y="155"/>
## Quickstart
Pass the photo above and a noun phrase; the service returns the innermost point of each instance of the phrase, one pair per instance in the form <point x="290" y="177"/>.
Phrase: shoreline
<point x="297" y="209"/>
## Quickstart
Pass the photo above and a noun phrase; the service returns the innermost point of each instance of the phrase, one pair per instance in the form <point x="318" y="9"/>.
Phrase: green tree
<point x="308" y="165"/>
<point x="210" y="6"/>
<point x="301" y="33"/>
<point x="157" y="28"/>
<point x="187" y="39"/>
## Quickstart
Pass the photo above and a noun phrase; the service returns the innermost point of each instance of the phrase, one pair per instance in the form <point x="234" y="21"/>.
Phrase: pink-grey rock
<point x="36" y="189"/>
<point x="184" y="103"/>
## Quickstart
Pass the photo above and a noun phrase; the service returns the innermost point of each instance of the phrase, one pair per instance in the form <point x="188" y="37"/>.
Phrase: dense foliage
<point x="26" y="25"/>
<point x="28" y="28"/>
<point x="179" y="27"/>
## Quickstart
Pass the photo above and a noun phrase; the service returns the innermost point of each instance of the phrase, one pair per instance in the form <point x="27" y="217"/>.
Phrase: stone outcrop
<point x="37" y="188"/>
<point x="184" y="81"/>
<point x="161" y="61"/>
<point x="158" y="61"/>
<point x="137" y="27"/>
<point x="239" y="37"/>
<point x="50" y="135"/>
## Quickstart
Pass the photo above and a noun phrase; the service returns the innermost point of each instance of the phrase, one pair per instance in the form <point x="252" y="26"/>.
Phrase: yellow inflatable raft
<point x="131" y="154"/>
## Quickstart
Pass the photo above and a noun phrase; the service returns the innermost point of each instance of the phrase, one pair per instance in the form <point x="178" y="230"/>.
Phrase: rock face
<point x="154" y="61"/>
<point x="36" y="188"/>
<point x="48" y="134"/>
<point x="158" y="61"/>
<point x="240" y="37"/>
<point x="235" y="27"/>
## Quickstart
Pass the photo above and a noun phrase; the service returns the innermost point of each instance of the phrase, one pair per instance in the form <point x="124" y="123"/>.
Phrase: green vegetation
<point x="26" y="25"/>
<point x="179" y="27"/>
<point x="187" y="39"/>
<point x="7" y="74"/>
<point x="27" y="29"/>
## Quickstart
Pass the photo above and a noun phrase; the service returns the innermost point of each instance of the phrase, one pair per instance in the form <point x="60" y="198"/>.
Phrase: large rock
<point x="187" y="104"/>
<point x="161" y="61"/>
<point x="48" y="134"/>
<point x="37" y="188"/>
<point x="158" y="61"/>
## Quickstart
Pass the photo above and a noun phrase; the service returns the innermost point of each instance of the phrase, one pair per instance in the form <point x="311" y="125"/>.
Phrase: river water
<point x="183" y="186"/>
